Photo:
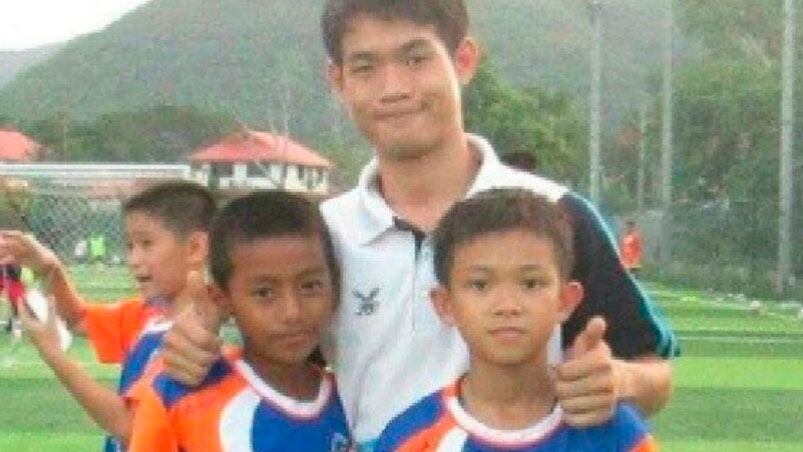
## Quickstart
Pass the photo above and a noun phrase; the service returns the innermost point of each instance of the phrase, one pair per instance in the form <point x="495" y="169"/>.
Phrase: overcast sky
<point x="30" y="23"/>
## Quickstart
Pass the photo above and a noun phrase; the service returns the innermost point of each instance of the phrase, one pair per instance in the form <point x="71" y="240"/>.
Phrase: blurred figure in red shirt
<point x="631" y="248"/>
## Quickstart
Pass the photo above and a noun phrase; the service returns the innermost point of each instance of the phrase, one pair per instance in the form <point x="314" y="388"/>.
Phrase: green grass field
<point x="739" y="383"/>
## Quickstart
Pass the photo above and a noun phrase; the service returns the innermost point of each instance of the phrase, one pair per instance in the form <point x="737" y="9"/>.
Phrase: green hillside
<point x="262" y="61"/>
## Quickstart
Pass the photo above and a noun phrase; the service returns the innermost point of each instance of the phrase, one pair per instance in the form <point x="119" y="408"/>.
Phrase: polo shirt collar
<point x="376" y="216"/>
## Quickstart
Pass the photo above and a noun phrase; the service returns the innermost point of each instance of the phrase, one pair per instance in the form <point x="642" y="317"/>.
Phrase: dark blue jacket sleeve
<point x="635" y="326"/>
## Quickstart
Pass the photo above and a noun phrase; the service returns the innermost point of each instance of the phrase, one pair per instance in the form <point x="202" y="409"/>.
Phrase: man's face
<point x="401" y="85"/>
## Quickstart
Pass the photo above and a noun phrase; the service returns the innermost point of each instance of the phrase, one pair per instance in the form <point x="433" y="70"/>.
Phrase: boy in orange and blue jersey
<point x="166" y="233"/>
<point x="502" y="260"/>
<point x="274" y="270"/>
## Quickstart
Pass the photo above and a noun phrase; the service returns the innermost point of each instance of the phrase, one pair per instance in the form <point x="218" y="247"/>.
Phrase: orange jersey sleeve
<point x="112" y="329"/>
<point x="152" y="429"/>
<point x="647" y="444"/>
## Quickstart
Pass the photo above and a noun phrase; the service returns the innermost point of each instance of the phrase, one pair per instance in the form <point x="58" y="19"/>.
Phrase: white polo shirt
<point x="390" y="348"/>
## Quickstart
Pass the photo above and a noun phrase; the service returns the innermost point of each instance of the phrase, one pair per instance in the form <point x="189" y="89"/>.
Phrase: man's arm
<point x="645" y="381"/>
<point x="617" y="343"/>
<point x="591" y="381"/>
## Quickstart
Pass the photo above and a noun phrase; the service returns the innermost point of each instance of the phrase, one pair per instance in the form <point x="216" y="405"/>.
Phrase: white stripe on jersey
<point x="453" y="441"/>
<point x="239" y="412"/>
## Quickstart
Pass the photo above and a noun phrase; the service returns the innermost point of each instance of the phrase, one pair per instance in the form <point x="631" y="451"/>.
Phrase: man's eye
<point x="312" y="287"/>
<point x="362" y="69"/>
<point x="532" y="283"/>
<point x="415" y="60"/>
<point x="263" y="292"/>
<point x="477" y="285"/>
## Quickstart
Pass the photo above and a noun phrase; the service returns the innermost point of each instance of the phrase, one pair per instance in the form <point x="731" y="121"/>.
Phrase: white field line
<point x="742" y="340"/>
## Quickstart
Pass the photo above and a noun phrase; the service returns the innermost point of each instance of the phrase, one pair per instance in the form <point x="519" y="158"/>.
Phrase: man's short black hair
<point x="184" y="207"/>
<point x="264" y="215"/>
<point x="449" y="17"/>
<point x="500" y="210"/>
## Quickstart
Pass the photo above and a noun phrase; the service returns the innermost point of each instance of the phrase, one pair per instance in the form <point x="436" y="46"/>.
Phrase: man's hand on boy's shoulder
<point x="588" y="383"/>
<point x="23" y="249"/>
<point x="192" y="344"/>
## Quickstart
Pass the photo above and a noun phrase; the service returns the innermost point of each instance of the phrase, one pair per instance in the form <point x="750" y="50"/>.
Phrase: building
<point x="259" y="160"/>
<point x="15" y="147"/>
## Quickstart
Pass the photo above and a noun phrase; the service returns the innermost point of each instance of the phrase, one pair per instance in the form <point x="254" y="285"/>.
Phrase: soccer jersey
<point x="388" y="346"/>
<point x="235" y="410"/>
<point x="439" y="423"/>
<point x="129" y="333"/>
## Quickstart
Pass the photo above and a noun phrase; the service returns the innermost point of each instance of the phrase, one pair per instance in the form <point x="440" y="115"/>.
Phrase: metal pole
<point x="642" y="156"/>
<point x="786" y="151"/>
<point x="596" y="70"/>
<point x="665" y="250"/>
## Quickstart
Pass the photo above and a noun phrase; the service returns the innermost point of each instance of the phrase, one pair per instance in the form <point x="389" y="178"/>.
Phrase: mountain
<point x="13" y="62"/>
<point x="262" y="61"/>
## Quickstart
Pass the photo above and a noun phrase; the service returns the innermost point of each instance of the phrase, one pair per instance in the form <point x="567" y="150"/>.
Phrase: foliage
<point x="527" y="120"/>
<point x="159" y="134"/>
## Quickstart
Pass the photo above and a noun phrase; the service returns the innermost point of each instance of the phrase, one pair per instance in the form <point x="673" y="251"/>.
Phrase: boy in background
<point x="166" y="238"/>
<point x="631" y="248"/>
<point x="274" y="270"/>
<point x="503" y="260"/>
<point x="12" y="289"/>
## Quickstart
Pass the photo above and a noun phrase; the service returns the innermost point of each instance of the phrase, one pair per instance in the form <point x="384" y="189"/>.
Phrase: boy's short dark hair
<point x="449" y="17"/>
<point x="264" y="215"/>
<point x="500" y="210"/>
<point x="184" y="207"/>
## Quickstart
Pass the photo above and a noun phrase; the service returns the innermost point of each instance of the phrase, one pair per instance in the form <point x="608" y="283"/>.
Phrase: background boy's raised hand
<point x="587" y="382"/>
<point x="23" y="249"/>
<point x="43" y="334"/>
<point x="192" y="344"/>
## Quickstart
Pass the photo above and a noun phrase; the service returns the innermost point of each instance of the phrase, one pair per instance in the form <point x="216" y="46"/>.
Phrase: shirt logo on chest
<point x="368" y="303"/>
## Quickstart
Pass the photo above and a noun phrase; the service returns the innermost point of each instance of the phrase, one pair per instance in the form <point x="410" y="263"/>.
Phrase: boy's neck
<point x="422" y="189"/>
<point x="508" y="397"/>
<point x="300" y="382"/>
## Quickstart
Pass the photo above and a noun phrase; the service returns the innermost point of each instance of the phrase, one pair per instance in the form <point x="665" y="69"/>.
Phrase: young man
<point x="275" y="271"/>
<point x="166" y="234"/>
<point x="503" y="261"/>
<point x="398" y="67"/>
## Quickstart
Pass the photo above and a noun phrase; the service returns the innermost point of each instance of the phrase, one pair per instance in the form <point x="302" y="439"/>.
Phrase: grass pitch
<point x="739" y="382"/>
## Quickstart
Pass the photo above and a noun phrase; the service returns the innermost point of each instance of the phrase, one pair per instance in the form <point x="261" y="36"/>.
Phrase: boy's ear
<point x="198" y="246"/>
<point x="467" y="58"/>
<point x="442" y="301"/>
<point x="571" y="295"/>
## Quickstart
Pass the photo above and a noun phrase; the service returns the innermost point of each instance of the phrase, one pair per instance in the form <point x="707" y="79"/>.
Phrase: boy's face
<point x="159" y="259"/>
<point x="280" y="294"/>
<point x="401" y="86"/>
<point x="506" y="296"/>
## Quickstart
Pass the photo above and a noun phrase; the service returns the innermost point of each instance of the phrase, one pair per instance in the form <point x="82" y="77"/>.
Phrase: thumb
<point x="589" y="338"/>
<point x="197" y="291"/>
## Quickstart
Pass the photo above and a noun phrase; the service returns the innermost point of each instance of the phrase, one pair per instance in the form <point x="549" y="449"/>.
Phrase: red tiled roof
<point x="16" y="147"/>
<point x="251" y="146"/>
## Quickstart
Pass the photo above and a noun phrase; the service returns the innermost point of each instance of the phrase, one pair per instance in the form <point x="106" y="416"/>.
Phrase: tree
<point x="530" y="120"/>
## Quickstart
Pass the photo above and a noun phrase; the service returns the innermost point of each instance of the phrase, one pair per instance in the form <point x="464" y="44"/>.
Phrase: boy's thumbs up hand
<point x="590" y="338"/>
<point x="198" y="291"/>
<point x="192" y="345"/>
<point x="587" y="382"/>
